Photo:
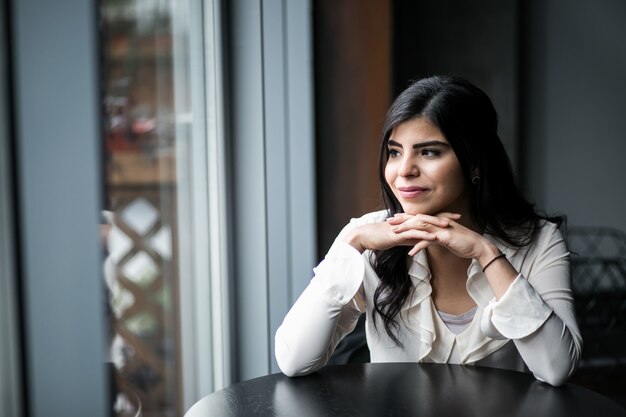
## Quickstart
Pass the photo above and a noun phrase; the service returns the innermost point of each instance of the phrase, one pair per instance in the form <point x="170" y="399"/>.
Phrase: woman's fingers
<point x="420" y="221"/>
<point x="423" y="230"/>
<point x="399" y="218"/>
<point x="411" y="236"/>
<point x="420" y="246"/>
<point x="419" y="239"/>
<point x="449" y="215"/>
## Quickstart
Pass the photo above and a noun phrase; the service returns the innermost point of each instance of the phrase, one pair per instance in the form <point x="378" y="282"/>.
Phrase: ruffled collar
<point x="477" y="287"/>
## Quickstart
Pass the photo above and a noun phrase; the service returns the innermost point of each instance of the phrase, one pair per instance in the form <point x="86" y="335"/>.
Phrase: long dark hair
<point x="466" y="117"/>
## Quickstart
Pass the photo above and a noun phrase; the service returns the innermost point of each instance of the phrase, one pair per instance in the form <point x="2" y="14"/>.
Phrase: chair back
<point x="598" y="260"/>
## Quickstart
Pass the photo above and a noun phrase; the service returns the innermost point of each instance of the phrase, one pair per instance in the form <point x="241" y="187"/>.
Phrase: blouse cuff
<point x="339" y="276"/>
<point x="518" y="313"/>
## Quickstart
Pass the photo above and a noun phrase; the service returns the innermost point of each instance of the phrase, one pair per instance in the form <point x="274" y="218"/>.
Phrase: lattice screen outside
<point x="142" y="279"/>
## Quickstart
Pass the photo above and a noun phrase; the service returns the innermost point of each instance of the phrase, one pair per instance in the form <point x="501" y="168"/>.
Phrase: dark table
<point x="404" y="389"/>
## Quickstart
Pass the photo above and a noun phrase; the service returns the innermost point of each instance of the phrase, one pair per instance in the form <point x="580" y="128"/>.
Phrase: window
<point x="163" y="268"/>
<point x="146" y="123"/>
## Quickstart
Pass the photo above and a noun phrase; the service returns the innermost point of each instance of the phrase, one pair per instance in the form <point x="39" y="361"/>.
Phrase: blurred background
<point x="171" y="171"/>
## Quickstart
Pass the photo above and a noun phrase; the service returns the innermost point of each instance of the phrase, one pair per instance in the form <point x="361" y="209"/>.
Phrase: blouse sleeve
<point x="327" y="311"/>
<point x="538" y="312"/>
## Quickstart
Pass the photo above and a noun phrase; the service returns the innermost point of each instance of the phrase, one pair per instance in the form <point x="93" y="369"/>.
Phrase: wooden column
<point x="353" y="84"/>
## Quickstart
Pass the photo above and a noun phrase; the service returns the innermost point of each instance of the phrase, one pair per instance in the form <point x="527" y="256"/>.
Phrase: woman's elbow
<point x="288" y="360"/>
<point x="556" y="372"/>
<point x="561" y="369"/>
<point x="554" y="379"/>
<point x="289" y="369"/>
<point x="556" y="366"/>
<point x="291" y="366"/>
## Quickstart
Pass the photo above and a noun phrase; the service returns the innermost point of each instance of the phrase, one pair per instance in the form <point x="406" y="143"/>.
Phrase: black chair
<point x="353" y="348"/>
<point x="599" y="283"/>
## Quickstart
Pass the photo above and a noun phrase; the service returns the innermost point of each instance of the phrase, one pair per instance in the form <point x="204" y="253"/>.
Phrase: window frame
<point x="10" y="340"/>
<point x="273" y="174"/>
<point x="57" y="135"/>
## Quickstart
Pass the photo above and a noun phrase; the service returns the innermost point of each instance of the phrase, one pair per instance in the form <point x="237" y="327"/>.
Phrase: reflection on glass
<point x="141" y="267"/>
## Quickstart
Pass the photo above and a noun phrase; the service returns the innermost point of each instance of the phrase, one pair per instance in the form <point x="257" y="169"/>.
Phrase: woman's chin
<point x="414" y="209"/>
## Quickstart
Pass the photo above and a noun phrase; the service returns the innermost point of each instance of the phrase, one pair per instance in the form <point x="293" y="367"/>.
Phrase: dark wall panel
<point x="477" y="40"/>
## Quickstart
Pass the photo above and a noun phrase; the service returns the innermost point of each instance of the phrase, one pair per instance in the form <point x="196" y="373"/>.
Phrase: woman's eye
<point x="393" y="153"/>
<point x="430" y="153"/>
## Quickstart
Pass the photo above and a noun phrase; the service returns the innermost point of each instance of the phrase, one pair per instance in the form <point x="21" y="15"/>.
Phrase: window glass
<point x="146" y="96"/>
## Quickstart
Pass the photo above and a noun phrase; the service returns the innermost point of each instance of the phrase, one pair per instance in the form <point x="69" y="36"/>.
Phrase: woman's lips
<point x="411" y="192"/>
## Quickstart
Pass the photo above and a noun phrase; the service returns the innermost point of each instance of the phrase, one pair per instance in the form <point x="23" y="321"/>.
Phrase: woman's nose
<point x="408" y="168"/>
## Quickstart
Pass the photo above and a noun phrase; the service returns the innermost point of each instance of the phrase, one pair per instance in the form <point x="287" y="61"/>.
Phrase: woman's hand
<point x="457" y="238"/>
<point x="381" y="236"/>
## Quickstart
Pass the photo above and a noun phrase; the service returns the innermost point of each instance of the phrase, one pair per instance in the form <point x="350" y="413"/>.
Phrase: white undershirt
<point x="457" y="323"/>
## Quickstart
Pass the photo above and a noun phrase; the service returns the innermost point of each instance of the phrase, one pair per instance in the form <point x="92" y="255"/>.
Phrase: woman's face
<point x="423" y="170"/>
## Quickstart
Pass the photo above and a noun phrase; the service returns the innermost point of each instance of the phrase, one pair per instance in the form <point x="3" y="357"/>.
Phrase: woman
<point x="459" y="268"/>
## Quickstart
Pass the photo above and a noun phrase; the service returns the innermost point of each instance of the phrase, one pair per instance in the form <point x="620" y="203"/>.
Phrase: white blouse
<point x="531" y="328"/>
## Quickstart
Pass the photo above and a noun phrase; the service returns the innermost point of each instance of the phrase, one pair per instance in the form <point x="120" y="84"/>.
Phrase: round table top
<point x="404" y="389"/>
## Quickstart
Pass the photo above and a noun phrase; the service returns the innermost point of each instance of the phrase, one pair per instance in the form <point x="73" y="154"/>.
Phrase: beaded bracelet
<point x="502" y="255"/>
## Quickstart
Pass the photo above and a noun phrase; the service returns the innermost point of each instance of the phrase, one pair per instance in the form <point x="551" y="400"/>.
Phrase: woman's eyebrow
<point x="392" y="142"/>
